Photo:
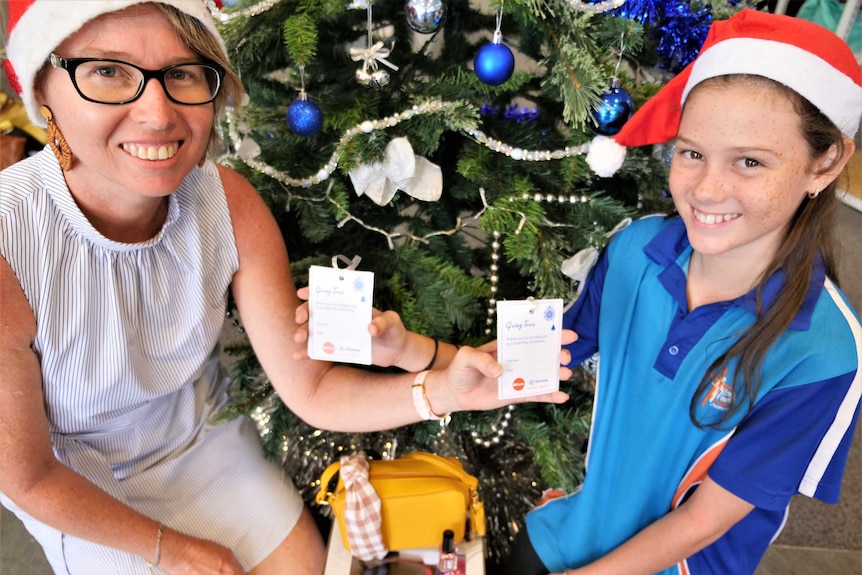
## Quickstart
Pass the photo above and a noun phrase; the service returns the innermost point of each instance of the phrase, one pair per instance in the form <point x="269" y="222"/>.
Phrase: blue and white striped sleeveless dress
<point x="127" y="335"/>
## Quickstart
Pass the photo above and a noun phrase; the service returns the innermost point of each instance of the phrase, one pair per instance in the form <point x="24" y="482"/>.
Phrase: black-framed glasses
<point x="107" y="81"/>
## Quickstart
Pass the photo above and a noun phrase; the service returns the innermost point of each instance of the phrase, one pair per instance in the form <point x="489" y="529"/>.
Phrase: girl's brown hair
<point x="809" y="236"/>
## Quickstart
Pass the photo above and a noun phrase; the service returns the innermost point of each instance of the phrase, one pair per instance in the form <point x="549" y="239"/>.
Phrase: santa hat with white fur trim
<point x="806" y="57"/>
<point x="37" y="27"/>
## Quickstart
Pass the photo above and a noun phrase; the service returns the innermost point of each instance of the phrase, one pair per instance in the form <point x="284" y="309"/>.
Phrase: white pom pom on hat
<point x="806" y="57"/>
<point x="605" y="156"/>
<point x="37" y="27"/>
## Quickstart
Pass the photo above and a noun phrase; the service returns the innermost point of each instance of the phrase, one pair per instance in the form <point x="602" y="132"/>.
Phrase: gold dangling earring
<point x="56" y="140"/>
<point x="814" y="194"/>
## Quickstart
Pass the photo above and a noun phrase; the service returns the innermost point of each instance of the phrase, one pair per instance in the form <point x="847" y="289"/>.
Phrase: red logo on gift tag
<point x="518" y="384"/>
<point x="328" y="347"/>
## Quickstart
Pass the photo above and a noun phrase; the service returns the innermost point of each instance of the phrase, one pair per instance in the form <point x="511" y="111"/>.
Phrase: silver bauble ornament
<point x="380" y="77"/>
<point x="363" y="77"/>
<point x="424" y="16"/>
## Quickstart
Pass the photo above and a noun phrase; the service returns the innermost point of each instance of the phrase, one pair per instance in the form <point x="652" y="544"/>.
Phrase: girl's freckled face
<point x="740" y="170"/>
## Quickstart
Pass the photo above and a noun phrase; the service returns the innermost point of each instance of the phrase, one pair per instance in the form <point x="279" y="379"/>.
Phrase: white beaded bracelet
<point x="420" y="399"/>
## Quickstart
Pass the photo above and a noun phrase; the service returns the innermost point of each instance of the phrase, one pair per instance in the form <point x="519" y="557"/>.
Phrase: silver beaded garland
<point x="498" y="429"/>
<point x="224" y="16"/>
<point x="238" y="131"/>
<point x="493" y="279"/>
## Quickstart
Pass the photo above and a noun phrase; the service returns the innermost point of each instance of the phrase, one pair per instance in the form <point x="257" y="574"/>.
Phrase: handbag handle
<point x="442" y="462"/>
<point x="450" y="465"/>
<point x="327" y="491"/>
<point x="330" y="479"/>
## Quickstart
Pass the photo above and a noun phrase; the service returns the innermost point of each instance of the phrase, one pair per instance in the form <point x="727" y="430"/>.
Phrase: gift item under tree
<point x="403" y="133"/>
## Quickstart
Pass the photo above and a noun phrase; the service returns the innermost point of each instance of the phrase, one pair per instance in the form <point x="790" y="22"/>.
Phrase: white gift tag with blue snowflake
<point x="528" y="346"/>
<point x="339" y="311"/>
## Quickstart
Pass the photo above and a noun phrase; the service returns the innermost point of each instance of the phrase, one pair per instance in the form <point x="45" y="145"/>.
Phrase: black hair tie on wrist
<point x="433" y="357"/>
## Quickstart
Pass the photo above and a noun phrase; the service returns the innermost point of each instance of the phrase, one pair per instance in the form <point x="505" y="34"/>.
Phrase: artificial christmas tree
<point x="394" y="133"/>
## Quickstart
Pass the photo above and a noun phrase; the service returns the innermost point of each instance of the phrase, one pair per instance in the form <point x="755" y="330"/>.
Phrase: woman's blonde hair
<point x="196" y="36"/>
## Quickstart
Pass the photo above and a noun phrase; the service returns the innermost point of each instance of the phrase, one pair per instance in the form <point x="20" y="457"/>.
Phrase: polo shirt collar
<point x="672" y="242"/>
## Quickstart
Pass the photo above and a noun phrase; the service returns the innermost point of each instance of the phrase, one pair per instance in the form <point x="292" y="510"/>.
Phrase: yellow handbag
<point x="421" y="495"/>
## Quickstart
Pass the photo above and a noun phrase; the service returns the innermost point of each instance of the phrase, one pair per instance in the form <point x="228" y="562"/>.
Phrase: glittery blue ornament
<point x="304" y="117"/>
<point x="614" y="110"/>
<point x="494" y="63"/>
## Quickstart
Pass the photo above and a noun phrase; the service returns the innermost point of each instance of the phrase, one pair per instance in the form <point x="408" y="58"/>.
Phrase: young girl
<point x="729" y="378"/>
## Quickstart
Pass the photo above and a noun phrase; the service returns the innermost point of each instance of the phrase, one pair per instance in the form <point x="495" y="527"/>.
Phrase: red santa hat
<point x="37" y="27"/>
<point x="806" y="57"/>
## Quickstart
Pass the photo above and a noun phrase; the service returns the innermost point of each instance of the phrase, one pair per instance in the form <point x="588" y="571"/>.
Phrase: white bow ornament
<point x="401" y="170"/>
<point x="578" y="267"/>
<point x="370" y="56"/>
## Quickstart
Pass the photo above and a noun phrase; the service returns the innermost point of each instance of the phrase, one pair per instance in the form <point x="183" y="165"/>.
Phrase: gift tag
<point x="339" y="311"/>
<point x="529" y="339"/>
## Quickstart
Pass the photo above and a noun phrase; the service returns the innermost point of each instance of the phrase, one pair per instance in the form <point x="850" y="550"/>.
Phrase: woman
<point x="119" y="247"/>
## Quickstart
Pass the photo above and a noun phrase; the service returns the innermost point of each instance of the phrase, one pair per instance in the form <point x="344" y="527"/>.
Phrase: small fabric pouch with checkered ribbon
<point x="361" y="509"/>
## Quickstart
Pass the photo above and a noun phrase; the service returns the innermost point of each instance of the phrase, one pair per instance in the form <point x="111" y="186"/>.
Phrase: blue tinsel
<point x="512" y="112"/>
<point x="679" y="26"/>
<point x="643" y="11"/>
<point x="681" y="36"/>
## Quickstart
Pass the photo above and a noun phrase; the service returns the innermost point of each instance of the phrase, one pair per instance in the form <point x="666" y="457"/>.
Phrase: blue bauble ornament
<point x="424" y="16"/>
<point x="304" y="117"/>
<point x="494" y="63"/>
<point x="613" y="111"/>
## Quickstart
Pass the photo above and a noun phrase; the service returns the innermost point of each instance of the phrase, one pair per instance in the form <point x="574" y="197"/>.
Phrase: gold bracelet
<point x="420" y="399"/>
<point x="158" y="545"/>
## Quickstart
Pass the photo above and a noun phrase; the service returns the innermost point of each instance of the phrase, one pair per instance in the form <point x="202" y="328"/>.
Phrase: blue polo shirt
<point x="646" y="456"/>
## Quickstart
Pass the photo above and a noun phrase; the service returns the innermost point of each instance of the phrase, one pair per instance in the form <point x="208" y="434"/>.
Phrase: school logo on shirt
<point x="720" y="394"/>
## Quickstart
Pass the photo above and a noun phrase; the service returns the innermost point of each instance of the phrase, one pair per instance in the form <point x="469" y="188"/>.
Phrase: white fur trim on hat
<point x="830" y="90"/>
<point x="47" y="23"/>
<point x="806" y="57"/>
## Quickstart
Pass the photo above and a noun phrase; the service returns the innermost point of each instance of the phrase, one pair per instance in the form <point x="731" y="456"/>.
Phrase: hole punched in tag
<point x="351" y="264"/>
